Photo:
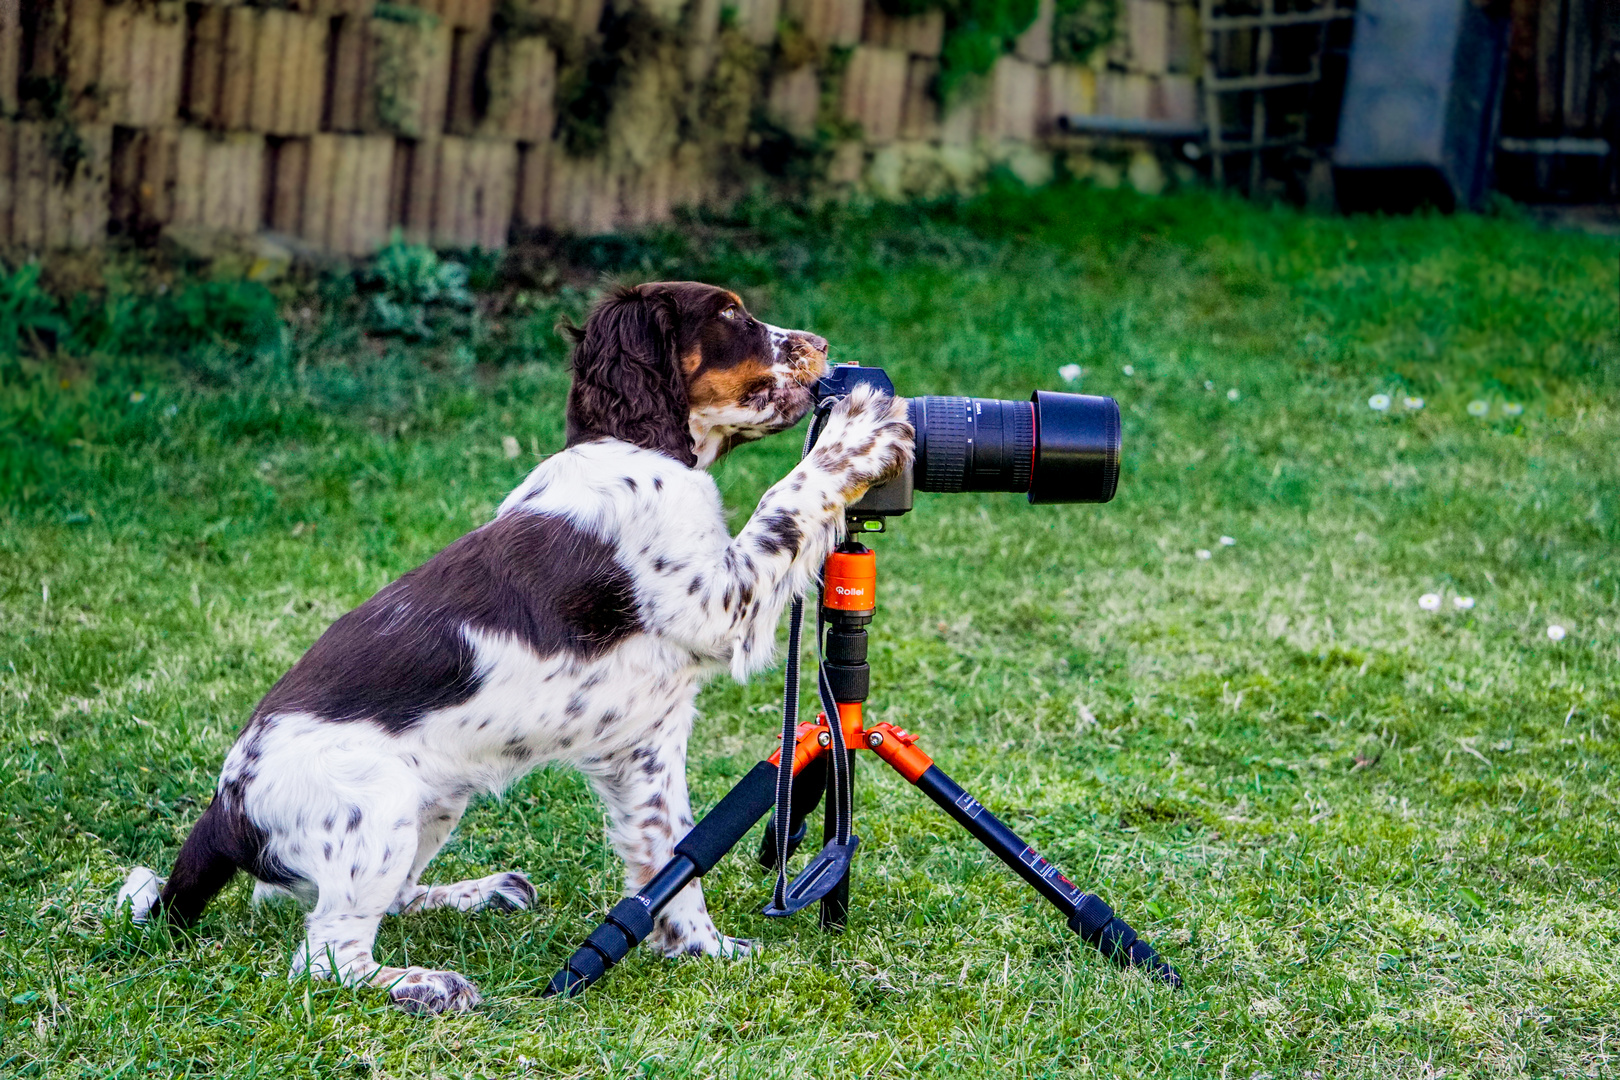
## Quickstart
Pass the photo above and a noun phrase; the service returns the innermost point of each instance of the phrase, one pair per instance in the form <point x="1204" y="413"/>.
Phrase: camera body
<point x="893" y="497"/>
<point x="1056" y="447"/>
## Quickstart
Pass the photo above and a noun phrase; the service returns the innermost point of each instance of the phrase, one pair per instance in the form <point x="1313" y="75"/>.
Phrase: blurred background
<point x="329" y="123"/>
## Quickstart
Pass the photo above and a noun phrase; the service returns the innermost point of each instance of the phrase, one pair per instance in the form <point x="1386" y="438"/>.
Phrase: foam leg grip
<point x="731" y="819"/>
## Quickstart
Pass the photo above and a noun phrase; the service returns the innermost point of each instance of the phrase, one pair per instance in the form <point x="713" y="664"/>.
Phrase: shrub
<point x="417" y="292"/>
<point x="27" y="311"/>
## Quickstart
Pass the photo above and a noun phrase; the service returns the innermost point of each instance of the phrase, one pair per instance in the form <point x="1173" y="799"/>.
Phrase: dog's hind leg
<point x="648" y="812"/>
<point x="361" y="873"/>
<point x="510" y="891"/>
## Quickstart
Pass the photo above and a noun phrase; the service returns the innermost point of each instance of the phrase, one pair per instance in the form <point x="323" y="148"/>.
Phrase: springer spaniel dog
<point x="575" y="627"/>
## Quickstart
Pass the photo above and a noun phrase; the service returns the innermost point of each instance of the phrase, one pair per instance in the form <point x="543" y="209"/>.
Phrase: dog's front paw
<point x="868" y="440"/>
<point x="679" y="937"/>
<point x="421" y="990"/>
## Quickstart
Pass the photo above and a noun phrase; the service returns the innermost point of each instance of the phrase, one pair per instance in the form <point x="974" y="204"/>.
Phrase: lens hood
<point x="1077" y="443"/>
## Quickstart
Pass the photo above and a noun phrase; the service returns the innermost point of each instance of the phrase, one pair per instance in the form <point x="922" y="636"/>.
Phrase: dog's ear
<point x="628" y="383"/>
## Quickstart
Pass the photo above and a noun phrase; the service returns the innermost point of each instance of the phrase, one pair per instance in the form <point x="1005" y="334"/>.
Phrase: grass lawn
<point x="1376" y="840"/>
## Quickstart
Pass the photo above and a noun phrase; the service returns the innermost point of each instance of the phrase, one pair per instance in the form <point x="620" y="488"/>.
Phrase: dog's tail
<point x="208" y="860"/>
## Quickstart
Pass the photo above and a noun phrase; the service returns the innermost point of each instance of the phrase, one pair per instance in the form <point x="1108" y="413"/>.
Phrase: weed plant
<point x="1377" y="839"/>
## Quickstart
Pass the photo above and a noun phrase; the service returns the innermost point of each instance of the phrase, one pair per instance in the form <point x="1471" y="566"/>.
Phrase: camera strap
<point x="828" y="868"/>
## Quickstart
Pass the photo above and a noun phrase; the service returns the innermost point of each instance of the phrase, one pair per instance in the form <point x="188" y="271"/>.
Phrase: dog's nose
<point x="816" y="342"/>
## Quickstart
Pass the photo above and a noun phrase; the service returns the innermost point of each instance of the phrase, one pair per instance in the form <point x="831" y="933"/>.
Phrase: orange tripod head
<point x="849" y="582"/>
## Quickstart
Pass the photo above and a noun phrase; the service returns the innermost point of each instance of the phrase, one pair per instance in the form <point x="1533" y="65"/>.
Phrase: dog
<point x="575" y="628"/>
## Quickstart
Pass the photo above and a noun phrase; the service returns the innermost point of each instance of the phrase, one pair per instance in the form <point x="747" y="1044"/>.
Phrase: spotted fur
<point x="574" y="628"/>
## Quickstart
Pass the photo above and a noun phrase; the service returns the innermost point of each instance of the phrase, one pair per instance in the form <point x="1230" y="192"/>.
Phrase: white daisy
<point x="1462" y="603"/>
<point x="136" y="397"/>
<point x="1232" y="394"/>
<point x="1512" y="408"/>
<point x="1555" y="632"/>
<point x="1202" y="553"/>
<point x="1413" y="403"/>
<point x="1378" y="403"/>
<point x="1429" y="601"/>
<point x="1069" y="372"/>
<point x="1209" y="384"/>
<point x="1128" y="369"/>
<point x="510" y="447"/>
<point x="1478" y="408"/>
<point x="1227" y="541"/>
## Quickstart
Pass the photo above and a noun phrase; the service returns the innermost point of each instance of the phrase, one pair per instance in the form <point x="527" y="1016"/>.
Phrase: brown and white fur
<point x="576" y="628"/>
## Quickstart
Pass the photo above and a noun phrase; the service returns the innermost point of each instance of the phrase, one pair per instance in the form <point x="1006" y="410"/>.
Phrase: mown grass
<point x="1376" y="840"/>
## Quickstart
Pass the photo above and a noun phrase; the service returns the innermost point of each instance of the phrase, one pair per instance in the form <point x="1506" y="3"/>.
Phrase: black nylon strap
<point x="839" y="784"/>
<point x="838" y="780"/>
<point x="790" y="728"/>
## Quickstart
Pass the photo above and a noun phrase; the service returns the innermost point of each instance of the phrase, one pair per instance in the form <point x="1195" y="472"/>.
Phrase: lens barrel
<point x="1059" y="448"/>
<point x="973" y="444"/>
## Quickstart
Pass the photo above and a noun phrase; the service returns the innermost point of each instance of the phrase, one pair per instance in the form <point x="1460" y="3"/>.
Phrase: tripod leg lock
<point x="627" y="925"/>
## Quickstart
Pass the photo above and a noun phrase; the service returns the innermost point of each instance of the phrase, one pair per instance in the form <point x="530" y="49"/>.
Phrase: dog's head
<point x="682" y="368"/>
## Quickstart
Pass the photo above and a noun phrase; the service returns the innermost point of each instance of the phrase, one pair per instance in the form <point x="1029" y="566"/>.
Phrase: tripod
<point x="847" y="606"/>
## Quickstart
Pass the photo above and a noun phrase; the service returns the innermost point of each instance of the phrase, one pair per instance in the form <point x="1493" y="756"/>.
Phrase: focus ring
<point x="942" y="431"/>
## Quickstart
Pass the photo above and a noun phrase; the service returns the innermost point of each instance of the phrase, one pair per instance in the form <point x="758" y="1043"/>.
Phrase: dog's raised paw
<point x="421" y="991"/>
<point x="868" y="440"/>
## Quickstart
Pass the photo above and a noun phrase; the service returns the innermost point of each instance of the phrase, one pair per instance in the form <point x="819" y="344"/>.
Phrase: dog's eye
<point x="731" y="313"/>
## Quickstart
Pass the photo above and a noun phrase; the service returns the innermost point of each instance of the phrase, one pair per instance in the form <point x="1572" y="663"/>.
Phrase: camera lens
<point x="1057" y="447"/>
<point x="973" y="444"/>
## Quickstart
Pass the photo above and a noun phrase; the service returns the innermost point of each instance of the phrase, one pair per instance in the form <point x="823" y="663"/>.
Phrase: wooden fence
<point x="1561" y="105"/>
<point x="338" y="121"/>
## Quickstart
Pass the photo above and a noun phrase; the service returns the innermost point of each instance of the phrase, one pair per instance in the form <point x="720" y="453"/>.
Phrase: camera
<point x="1057" y="448"/>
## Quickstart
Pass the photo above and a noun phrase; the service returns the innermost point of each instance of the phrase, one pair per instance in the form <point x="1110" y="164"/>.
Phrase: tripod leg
<point x="809" y="784"/>
<point x="1087" y="914"/>
<point x="631" y="919"/>
<point x="835" y="905"/>
<point x="720" y="830"/>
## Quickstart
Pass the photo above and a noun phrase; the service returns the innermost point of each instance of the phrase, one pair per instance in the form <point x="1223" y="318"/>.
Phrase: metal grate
<point x="1262" y="65"/>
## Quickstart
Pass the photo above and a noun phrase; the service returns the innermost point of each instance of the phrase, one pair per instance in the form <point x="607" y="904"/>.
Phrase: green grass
<point x="1376" y="841"/>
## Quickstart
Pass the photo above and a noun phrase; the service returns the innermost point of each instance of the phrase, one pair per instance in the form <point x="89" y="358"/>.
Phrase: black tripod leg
<point x="808" y="785"/>
<point x="1086" y="913"/>
<point x="835" y="905"/>
<point x="631" y="919"/>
